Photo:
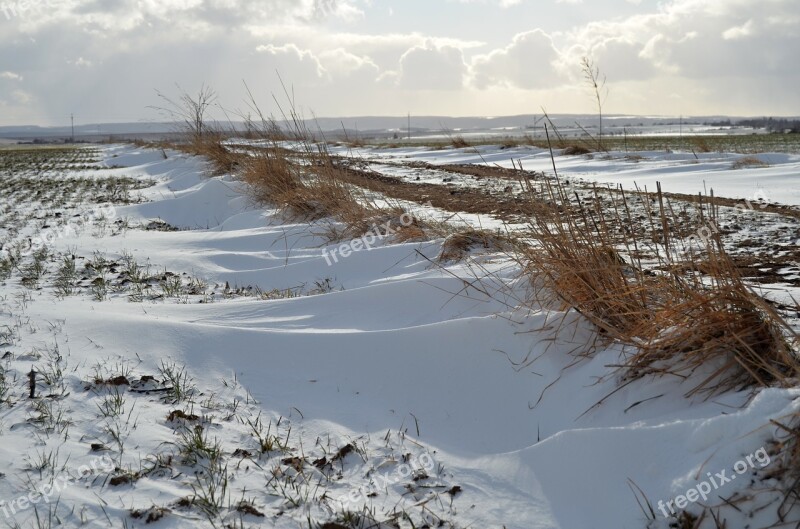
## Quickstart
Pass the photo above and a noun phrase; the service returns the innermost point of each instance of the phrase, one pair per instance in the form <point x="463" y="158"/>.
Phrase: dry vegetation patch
<point x="677" y="319"/>
<point x="748" y="161"/>
<point x="458" y="245"/>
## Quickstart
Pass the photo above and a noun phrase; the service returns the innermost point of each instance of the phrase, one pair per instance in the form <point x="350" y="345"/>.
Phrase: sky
<point x="104" y="60"/>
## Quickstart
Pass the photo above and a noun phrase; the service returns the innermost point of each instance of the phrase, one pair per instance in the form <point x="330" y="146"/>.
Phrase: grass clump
<point x="310" y="186"/>
<point x="6" y="267"/>
<point x="176" y="379"/>
<point x="459" y="142"/>
<point x="458" y="245"/>
<point x="682" y="312"/>
<point x="748" y="161"/>
<point x="211" y="145"/>
<point x="273" y="178"/>
<point x="575" y="150"/>
<point x="66" y="277"/>
<point x="292" y="171"/>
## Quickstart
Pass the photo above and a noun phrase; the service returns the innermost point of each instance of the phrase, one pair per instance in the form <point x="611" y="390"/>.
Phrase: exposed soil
<point x="513" y="209"/>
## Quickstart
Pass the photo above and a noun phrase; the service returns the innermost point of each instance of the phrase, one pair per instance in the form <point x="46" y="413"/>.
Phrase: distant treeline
<point x="771" y="124"/>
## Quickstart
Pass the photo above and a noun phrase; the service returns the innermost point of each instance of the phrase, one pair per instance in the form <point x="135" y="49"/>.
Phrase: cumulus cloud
<point x="430" y="67"/>
<point x="341" y="63"/>
<point x="700" y="38"/>
<point x="529" y="62"/>
<point x="694" y="53"/>
<point x="303" y="64"/>
<point x="621" y="58"/>
<point x="683" y="54"/>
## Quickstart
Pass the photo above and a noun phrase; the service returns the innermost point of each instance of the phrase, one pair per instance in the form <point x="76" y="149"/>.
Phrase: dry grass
<point x="748" y="161"/>
<point x="719" y="325"/>
<point x="273" y="178"/>
<point x="575" y="150"/>
<point x="459" y="142"/>
<point x="458" y="245"/>
<point x="305" y="180"/>
<point x="417" y="231"/>
<point x="308" y="182"/>
<point x="678" y="320"/>
<point x="786" y="453"/>
<point x="210" y="145"/>
<point x="307" y="185"/>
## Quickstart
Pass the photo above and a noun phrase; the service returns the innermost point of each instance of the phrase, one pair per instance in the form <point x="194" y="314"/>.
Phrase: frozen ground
<point x="225" y="375"/>
<point x="678" y="172"/>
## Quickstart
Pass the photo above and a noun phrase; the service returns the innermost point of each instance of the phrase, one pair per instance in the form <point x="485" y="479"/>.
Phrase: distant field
<point x="21" y="158"/>
<point x="744" y="144"/>
<point x="731" y="143"/>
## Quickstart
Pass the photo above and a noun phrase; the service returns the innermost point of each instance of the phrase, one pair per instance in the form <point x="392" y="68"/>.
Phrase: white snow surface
<point x="535" y="436"/>
<point x="678" y="172"/>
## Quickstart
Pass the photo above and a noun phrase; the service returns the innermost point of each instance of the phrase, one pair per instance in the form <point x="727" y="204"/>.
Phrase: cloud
<point x="739" y="32"/>
<point x="501" y="3"/>
<point x="620" y="59"/>
<point x="346" y="56"/>
<point x="306" y="69"/>
<point x="186" y="15"/>
<point x="430" y="67"/>
<point x="10" y="76"/>
<point x="341" y="63"/>
<point x="529" y="62"/>
<point x="692" y="53"/>
<point x="81" y="63"/>
<point x="695" y="38"/>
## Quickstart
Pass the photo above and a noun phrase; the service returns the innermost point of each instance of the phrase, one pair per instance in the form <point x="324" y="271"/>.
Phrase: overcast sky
<point x="104" y="59"/>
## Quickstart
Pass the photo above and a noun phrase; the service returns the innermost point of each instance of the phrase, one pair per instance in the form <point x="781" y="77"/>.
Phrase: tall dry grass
<point x="289" y="168"/>
<point x="211" y="144"/>
<point x="310" y="185"/>
<point x="684" y="312"/>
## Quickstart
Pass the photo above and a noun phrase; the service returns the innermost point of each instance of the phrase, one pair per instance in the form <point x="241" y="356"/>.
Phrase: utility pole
<point x="72" y="124"/>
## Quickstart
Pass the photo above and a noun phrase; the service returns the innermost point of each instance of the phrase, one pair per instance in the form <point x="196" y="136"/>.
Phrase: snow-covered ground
<point x="264" y="386"/>
<point x="678" y="172"/>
